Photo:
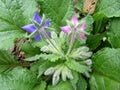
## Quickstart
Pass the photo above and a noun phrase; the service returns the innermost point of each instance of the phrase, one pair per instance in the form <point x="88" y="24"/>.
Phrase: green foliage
<point x="93" y="41"/>
<point x="7" y="61"/>
<point x="42" y="86"/>
<point x="57" y="10"/>
<point x="13" y="15"/>
<point x="50" y="57"/>
<point x="29" y="49"/>
<point x="114" y="33"/>
<point x="89" y="21"/>
<point x="107" y="8"/>
<point x="81" y="84"/>
<point x="76" y="66"/>
<point x="17" y="79"/>
<point x="79" y="5"/>
<point x="106" y="70"/>
<point x="44" y="66"/>
<point x="61" y="86"/>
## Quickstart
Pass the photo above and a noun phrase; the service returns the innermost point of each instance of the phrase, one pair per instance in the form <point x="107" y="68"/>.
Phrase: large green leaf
<point x="17" y="79"/>
<point x="106" y="70"/>
<point x="107" y="8"/>
<point x="114" y="33"/>
<point x="7" y="61"/>
<point x="57" y="10"/>
<point x="13" y="15"/>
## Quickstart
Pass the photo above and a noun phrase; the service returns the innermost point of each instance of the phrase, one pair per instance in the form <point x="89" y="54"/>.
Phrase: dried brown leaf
<point x="89" y="6"/>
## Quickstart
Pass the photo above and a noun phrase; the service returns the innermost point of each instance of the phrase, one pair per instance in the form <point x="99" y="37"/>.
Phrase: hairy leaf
<point x="107" y="8"/>
<point x="42" y="86"/>
<point x="106" y="70"/>
<point x="17" y="79"/>
<point x="13" y="15"/>
<point x="76" y="66"/>
<point x="7" y="61"/>
<point x="61" y="86"/>
<point x="57" y="10"/>
<point x="114" y="33"/>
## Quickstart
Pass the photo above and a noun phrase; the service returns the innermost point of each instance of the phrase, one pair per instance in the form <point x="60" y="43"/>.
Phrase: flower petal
<point x="29" y="28"/>
<point x="48" y="33"/>
<point x="47" y="23"/>
<point x="82" y="36"/>
<point x="37" y="37"/>
<point x="37" y="18"/>
<point x="74" y="20"/>
<point x="83" y="27"/>
<point x="66" y="29"/>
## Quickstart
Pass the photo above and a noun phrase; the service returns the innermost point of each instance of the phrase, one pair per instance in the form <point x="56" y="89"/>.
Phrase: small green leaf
<point x="106" y="70"/>
<point x="57" y="10"/>
<point x="17" y="79"/>
<point x="13" y="15"/>
<point x="34" y="58"/>
<point x="7" y="61"/>
<point x="61" y="86"/>
<point x="79" y="5"/>
<point x="42" y="86"/>
<point x="44" y="66"/>
<point x="113" y="34"/>
<point x="50" y="57"/>
<point x="76" y="66"/>
<point x="93" y="41"/>
<point x="81" y="84"/>
<point x="89" y="21"/>
<point x="29" y="49"/>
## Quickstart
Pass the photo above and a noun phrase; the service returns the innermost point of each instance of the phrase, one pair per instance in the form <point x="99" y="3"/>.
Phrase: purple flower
<point x="31" y="27"/>
<point x="74" y="21"/>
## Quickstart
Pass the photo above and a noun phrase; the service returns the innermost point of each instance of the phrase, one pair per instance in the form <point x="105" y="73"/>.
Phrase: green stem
<point x="42" y="31"/>
<point x="32" y="34"/>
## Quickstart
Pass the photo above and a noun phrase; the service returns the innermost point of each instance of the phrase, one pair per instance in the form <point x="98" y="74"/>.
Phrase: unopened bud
<point x="49" y="71"/>
<point x="88" y="62"/>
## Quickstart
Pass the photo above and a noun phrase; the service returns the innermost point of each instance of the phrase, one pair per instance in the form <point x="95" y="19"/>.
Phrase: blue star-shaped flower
<point x="31" y="27"/>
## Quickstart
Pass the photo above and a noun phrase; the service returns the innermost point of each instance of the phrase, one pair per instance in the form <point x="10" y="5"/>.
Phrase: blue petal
<point x="47" y="23"/>
<point x="48" y="33"/>
<point x="37" y="18"/>
<point x="29" y="28"/>
<point x="37" y="37"/>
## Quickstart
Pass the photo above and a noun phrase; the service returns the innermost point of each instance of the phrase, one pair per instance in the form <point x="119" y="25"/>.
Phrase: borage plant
<point x="59" y="45"/>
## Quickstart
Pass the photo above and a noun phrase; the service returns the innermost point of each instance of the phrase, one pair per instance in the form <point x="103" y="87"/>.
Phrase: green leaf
<point x="113" y="34"/>
<point x="57" y="10"/>
<point x="93" y="41"/>
<point x="34" y="58"/>
<point x="75" y="79"/>
<point x="29" y="49"/>
<point x="81" y="84"/>
<point x="17" y="79"/>
<point x="42" y="86"/>
<point x="7" y="61"/>
<point x="89" y="21"/>
<point x="44" y="66"/>
<point x="13" y="15"/>
<point x="106" y="70"/>
<point x="79" y="5"/>
<point x="51" y="57"/>
<point x="107" y="8"/>
<point x="61" y="86"/>
<point x="76" y="66"/>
